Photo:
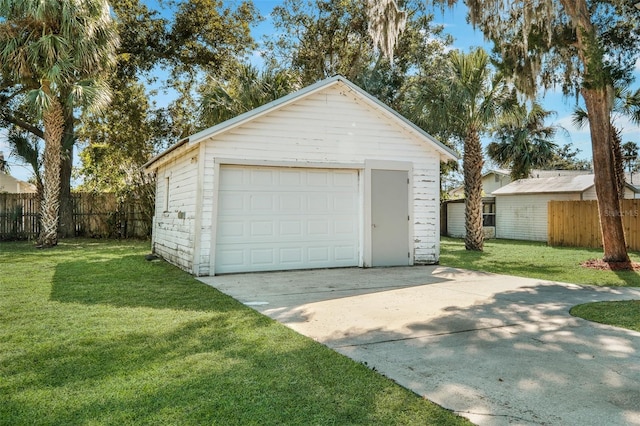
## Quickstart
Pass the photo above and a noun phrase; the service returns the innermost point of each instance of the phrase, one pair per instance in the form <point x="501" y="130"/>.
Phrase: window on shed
<point x="489" y="213"/>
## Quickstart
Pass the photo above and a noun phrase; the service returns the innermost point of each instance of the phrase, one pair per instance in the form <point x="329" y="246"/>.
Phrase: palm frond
<point x="579" y="118"/>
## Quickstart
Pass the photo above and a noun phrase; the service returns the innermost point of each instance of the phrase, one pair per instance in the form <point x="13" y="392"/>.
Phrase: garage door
<point x="272" y="218"/>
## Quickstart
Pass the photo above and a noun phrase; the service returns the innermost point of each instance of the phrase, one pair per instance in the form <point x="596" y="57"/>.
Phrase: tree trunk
<point x="53" y="127"/>
<point x="615" y="249"/>
<point x="66" y="225"/>
<point x="66" y="228"/>
<point x="472" y="168"/>
<point x="597" y="87"/>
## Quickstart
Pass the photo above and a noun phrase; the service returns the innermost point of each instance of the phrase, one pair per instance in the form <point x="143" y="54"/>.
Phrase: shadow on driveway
<point x="497" y="349"/>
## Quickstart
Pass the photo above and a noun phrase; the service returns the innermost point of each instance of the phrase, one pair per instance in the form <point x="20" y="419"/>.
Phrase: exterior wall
<point x="330" y="127"/>
<point x="590" y="194"/>
<point x="524" y="217"/>
<point x="494" y="181"/>
<point x="490" y="183"/>
<point x="175" y="213"/>
<point x="455" y="220"/>
<point x="456" y="223"/>
<point x="14" y="186"/>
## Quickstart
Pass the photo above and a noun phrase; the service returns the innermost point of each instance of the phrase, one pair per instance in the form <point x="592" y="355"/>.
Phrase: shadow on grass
<point x="203" y="372"/>
<point x="455" y="254"/>
<point x="535" y="259"/>
<point x="134" y="342"/>
<point x="131" y="281"/>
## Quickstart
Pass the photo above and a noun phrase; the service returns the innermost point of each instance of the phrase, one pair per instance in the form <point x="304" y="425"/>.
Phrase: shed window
<point x="489" y="213"/>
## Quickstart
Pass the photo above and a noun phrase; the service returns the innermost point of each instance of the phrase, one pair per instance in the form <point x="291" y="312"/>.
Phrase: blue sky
<point x="466" y="37"/>
<point x="455" y="23"/>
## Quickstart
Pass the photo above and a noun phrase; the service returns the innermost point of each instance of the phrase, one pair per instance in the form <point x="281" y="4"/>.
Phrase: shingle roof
<point x="547" y="185"/>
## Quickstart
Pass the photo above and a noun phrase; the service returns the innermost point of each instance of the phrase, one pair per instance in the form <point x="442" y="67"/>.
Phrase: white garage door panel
<point x="274" y="218"/>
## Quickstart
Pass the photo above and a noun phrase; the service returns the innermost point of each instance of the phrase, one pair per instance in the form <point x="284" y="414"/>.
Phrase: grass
<point x="535" y="260"/>
<point x="91" y="333"/>
<point x="624" y="314"/>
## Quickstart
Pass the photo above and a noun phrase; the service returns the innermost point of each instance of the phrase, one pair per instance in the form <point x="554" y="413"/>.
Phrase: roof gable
<point x="226" y="126"/>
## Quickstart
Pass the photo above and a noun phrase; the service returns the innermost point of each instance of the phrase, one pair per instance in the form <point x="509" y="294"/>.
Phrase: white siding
<point x="524" y="217"/>
<point x="332" y="127"/>
<point x="329" y="127"/>
<point x="173" y="232"/>
<point x="455" y="220"/>
<point x="493" y="181"/>
<point x="589" y="194"/>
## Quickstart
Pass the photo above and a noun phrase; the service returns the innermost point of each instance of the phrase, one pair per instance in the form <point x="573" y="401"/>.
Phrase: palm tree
<point x="26" y="148"/>
<point x="524" y="141"/>
<point x="248" y="89"/>
<point x="58" y="52"/>
<point x="629" y="156"/>
<point x="472" y="103"/>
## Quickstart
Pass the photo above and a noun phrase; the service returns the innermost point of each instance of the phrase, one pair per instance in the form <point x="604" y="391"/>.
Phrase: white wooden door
<point x="273" y="218"/>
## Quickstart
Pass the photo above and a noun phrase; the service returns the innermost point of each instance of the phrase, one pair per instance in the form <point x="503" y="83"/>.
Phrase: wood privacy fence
<point x="577" y="223"/>
<point x="94" y="215"/>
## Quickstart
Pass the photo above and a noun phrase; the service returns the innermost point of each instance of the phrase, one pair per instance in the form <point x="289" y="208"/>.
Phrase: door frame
<point x="370" y="165"/>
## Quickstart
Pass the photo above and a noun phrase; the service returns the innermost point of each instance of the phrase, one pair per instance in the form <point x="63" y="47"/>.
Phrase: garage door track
<point x="497" y="349"/>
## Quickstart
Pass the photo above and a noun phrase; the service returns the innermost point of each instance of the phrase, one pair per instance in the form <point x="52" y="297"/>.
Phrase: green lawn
<point x="620" y="314"/>
<point x="535" y="260"/>
<point x="91" y="333"/>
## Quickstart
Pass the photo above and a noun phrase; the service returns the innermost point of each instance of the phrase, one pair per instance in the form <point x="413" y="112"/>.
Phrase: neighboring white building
<point x="521" y="206"/>
<point x="491" y="180"/>
<point x="497" y="178"/>
<point x="14" y="186"/>
<point x="9" y="184"/>
<point x="324" y="177"/>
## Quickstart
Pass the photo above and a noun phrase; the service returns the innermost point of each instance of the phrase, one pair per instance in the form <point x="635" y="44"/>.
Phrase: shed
<point x="325" y="177"/>
<point x="521" y="206"/>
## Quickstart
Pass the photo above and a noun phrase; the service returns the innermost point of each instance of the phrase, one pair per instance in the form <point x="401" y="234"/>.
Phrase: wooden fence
<point x="94" y="215"/>
<point x="577" y="223"/>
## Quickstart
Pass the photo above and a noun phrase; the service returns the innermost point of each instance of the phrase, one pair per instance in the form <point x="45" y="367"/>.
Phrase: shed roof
<point x="445" y="152"/>
<point x="548" y="185"/>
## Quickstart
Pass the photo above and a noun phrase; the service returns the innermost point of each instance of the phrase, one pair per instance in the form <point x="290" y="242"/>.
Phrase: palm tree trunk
<point x="66" y="226"/>
<point x="472" y="168"/>
<point x="53" y="128"/>
<point x="618" y="164"/>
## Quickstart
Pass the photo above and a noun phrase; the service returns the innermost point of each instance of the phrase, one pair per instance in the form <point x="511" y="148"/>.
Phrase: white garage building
<point x="325" y="177"/>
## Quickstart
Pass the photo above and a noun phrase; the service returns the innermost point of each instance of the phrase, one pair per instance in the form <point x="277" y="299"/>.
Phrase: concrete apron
<point x="496" y="349"/>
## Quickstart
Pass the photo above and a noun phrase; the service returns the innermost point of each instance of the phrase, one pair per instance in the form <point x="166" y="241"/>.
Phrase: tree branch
<point x="34" y="130"/>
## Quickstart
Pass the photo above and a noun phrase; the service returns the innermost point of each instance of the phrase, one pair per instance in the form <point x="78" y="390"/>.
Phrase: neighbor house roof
<point x="445" y="152"/>
<point x="548" y="185"/>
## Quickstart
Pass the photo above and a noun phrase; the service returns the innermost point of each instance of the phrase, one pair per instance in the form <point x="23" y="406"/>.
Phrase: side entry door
<point x="390" y="218"/>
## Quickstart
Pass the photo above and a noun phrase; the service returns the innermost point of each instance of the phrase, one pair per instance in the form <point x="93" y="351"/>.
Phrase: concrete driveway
<point x="496" y="349"/>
